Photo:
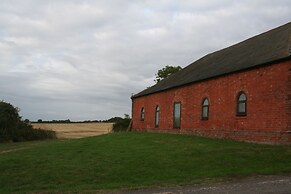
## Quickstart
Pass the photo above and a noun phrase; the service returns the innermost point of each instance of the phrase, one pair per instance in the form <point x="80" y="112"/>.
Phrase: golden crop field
<point x="76" y="130"/>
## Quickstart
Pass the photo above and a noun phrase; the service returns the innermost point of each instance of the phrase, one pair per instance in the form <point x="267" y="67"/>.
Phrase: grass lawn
<point x="132" y="160"/>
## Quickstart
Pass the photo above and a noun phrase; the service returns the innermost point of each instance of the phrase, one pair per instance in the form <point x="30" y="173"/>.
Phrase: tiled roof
<point x="262" y="49"/>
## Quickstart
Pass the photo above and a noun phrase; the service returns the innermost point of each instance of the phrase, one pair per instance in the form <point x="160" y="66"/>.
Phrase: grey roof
<point x="259" y="50"/>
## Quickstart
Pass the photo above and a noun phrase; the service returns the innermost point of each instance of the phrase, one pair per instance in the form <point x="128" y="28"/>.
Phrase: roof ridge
<point x="255" y="36"/>
<point x="264" y="48"/>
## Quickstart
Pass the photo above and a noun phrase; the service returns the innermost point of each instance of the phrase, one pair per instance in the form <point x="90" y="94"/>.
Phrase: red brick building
<point x="242" y="92"/>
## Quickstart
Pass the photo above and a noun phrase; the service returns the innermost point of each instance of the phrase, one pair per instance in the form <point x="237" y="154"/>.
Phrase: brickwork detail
<point x="268" y="91"/>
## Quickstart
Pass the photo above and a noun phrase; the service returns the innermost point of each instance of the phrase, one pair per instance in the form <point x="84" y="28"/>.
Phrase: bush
<point x="9" y="118"/>
<point x="13" y="129"/>
<point x="121" y="124"/>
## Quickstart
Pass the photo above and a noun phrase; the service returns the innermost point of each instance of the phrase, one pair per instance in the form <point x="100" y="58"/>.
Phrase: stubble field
<point x="76" y="130"/>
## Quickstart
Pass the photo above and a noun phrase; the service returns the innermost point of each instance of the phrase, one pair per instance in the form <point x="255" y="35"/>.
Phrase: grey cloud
<point x="83" y="59"/>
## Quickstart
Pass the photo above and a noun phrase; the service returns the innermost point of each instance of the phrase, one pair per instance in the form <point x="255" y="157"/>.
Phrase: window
<point x="205" y="109"/>
<point x="157" y="114"/>
<point x="241" y="104"/>
<point x="142" y="114"/>
<point x="177" y="114"/>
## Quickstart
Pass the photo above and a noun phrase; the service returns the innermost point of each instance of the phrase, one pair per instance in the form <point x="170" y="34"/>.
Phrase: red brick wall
<point x="268" y="106"/>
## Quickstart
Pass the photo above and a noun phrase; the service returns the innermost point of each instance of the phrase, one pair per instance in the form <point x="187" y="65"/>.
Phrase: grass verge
<point x="132" y="160"/>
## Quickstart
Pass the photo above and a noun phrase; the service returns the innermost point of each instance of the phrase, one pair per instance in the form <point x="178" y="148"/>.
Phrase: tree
<point x="120" y="124"/>
<point x="9" y="117"/>
<point x="166" y="72"/>
<point x="13" y="129"/>
<point x="126" y="116"/>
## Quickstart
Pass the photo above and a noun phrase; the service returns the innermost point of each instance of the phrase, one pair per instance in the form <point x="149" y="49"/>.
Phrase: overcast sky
<point x="82" y="60"/>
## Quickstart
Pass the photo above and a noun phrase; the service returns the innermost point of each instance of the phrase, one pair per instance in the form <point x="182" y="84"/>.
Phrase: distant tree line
<point x="52" y="121"/>
<point x="111" y="120"/>
<point x="120" y="124"/>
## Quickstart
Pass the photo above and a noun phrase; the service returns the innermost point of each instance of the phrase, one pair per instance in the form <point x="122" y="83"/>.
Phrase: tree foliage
<point x="166" y="72"/>
<point x="121" y="124"/>
<point x="9" y="117"/>
<point x="13" y="129"/>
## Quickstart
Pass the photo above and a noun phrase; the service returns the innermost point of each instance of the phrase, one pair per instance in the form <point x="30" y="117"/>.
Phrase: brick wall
<point x="268" y="106"/>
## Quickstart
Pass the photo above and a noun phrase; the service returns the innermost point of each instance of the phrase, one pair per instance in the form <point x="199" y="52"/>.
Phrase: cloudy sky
<point x="79" y="60"/>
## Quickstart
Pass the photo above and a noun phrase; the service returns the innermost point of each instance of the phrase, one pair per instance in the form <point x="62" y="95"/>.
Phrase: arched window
<point x="205" y="109"/>
<point x="157" y="114"/>
<point x="142" y="114"/>
<point x="241" y="104"/>
<point x="177" y="115"/>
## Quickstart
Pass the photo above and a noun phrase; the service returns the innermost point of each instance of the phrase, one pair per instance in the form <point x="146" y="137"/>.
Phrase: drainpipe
<point x="130" y="124"/>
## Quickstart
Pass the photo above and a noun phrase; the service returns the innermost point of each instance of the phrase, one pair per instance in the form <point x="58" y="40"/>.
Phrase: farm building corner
<point x="241" y="92"/>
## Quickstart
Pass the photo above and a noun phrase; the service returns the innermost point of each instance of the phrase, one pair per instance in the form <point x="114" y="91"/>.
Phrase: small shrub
<point x="121" y="124"/>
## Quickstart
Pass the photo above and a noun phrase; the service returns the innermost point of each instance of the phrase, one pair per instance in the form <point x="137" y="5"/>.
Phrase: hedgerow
<point x="121" y="124"/>
<point x="13" y="129"/>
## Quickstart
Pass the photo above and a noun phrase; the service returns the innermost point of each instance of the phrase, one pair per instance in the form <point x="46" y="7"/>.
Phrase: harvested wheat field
<point x="76" y="130"/>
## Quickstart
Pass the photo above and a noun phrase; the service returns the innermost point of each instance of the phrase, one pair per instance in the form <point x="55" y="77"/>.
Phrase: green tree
<point x="166" y="72"/>
<point x="13" y="129"/>
<point x="9" y="117"/>
<point x="121" y="124"/>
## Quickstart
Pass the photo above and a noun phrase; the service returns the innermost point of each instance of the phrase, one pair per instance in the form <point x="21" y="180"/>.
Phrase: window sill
<point x="241" y="117"/>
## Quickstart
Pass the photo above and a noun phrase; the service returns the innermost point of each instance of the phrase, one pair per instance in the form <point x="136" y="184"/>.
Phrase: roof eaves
<point x="213" y="77"/>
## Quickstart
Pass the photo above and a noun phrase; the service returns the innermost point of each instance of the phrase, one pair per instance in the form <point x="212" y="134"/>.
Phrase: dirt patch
<point x="12" y="150"/>
<point x="23" y="147"/>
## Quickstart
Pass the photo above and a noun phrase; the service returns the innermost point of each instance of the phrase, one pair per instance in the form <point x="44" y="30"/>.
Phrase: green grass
<point x="132" y="160"/>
